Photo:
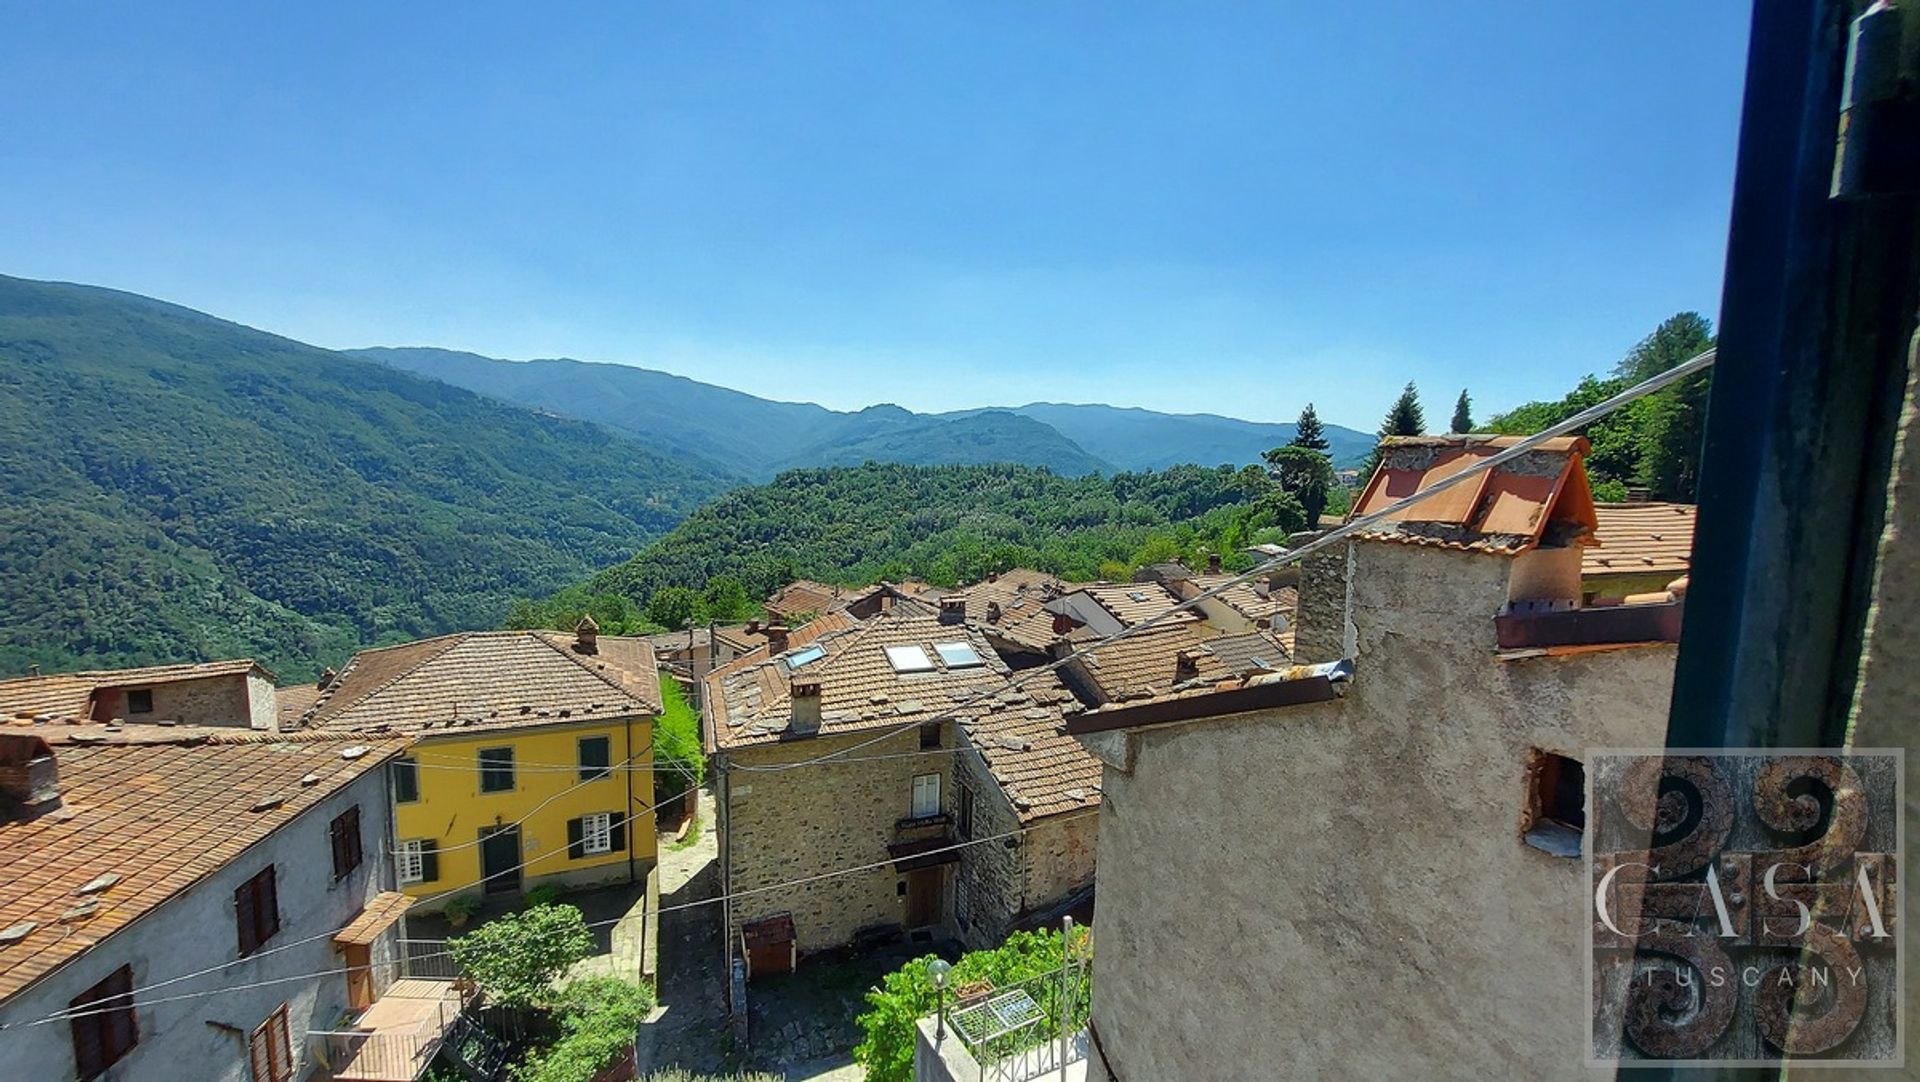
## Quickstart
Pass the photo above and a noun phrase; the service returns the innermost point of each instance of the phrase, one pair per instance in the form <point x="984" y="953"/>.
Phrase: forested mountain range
<point x="759" y="438"/>
<point x="176" y="487"/>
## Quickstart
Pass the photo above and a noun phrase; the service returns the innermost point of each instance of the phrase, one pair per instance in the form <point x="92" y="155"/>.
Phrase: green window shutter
<point x="430" y="862"/>
<point x="619" y="833"/>
<point x="576" y="845"/>
<point x="406" y="781"/>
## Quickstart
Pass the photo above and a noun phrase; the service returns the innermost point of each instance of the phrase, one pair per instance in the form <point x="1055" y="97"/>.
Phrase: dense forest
<point x="944" y="524"/>
<point x="174" y="487"/>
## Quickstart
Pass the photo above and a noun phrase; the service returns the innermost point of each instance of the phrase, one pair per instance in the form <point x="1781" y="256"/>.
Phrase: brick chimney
<point x="776" y="638"/>
<point x="29" y="777"/>
<point x="586" y="636"/>
<point x="953" y="610"/>
<point x="806" y="707"/>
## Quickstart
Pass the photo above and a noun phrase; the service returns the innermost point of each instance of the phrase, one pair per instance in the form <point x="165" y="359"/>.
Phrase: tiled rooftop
<point x="804" y="596"/>
<point x="146" y="813"/>
<point x="1027" y="750"/>
<point x="489" y="680"/>
<point x="1507" y="509"/>
<point x="1136" y="602"/>
<point x="71" y="694"/>
<point x="1641" y="539"/>
<point x="1011" y="607"/>
<point x="1247" y="599"/>
<point x="1259" y="650"/>
<point x="1147" y="664"/>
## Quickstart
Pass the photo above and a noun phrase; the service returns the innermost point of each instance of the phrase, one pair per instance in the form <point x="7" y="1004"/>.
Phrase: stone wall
<point x="1342" y="887"/>
<point x="214" y="700"/>
<point x="781" y="826"/>
<point x="1319" y="623"/>
<point x="997" y="882"/>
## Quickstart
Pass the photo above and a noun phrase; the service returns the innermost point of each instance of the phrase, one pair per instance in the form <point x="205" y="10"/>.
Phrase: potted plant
<point x="460" y="909"/>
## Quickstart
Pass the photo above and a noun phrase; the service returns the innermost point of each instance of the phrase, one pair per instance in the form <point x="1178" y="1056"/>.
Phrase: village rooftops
<point x="1011" y="608"/>
<point x="74" y="694"/>
<point x="143" y="813"/>
<point x="1640" y="539"/>
<point x="805" y="597"/>
<point x="1120" y="604"/>
<point x="1539" y="498"/>
<point x="481" y="680"/>
<point x="1023" y="741"/>
<point x="1247" y="598"/>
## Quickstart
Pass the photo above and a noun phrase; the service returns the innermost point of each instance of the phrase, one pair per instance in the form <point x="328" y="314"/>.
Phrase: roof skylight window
<point x="806" y="656"/>
<point x="906" y="659"/>
<point x="958" y="655"/>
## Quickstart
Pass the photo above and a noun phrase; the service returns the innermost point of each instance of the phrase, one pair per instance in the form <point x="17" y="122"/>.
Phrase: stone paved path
<point x="693" y="1031"/>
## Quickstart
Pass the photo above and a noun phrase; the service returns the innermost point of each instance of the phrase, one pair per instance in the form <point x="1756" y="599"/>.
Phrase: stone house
<point x="530" y="761"/>
<point x="132" y="855"/>
<point x="874" y="758"/>
<point x="1372" y="877"/>
<point x="236" y="693"/>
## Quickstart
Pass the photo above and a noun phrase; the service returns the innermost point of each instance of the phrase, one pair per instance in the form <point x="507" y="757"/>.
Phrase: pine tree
<point x="1406" y="418"/>
<point x="1463" y="413"/>
<point x="1307" y="431"/>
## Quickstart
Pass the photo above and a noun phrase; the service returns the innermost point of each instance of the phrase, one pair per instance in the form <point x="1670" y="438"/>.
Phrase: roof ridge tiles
<point x="611" y="673"/>
<point x="325" y="701"/>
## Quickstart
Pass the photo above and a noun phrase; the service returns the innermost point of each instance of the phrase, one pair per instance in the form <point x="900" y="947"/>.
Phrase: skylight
<point x="909" y="659"/>
<point x="806" y="656"/>
<point x="958" y="655"/>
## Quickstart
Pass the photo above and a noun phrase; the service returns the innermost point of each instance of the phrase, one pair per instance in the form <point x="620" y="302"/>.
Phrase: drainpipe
<point x="631" y="876"/>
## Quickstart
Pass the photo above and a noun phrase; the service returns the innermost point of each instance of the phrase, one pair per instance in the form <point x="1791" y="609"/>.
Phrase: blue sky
<point x="1231" y="208"/>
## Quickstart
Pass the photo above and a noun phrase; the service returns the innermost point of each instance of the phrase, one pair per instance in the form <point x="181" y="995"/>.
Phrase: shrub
<point x="461" y="908"/>
<point x="676" y="742"/>
<point x="544" y="894"/>
<point x="516" y="959"/>
<point x="908" y="995"/>
<point x="597" y="1018"/>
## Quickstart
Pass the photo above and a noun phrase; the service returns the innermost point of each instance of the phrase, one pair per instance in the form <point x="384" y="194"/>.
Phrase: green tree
<point x="676" y="741"/>
<point x="1405" y="418"/>
<point x="1308" y="432"/>
<point x="1304" y="474"/>
<point x="1675" y="418"/>
<point x="597" y="1017"/>
<point x="516" y="958"/>
<point x="673" y="607"/>
<point x="725" y="600"/>
<point x="1462" y="413"/>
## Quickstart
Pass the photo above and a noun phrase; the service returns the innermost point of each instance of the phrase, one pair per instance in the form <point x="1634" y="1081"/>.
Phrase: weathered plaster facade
<point x="205" y="1039"/>
<point x="1341" y="889"/>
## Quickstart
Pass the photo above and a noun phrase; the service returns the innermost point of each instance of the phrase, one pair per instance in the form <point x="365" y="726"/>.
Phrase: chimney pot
<point x="586" y="636"/>
<point x="993" y="576"/>
<point x="776" y="638"/>
<point x="806" y="707"/>
<point x="1213" y="563"/>
<point x="29" y="776"/>
<point x="1186" y="666"/>
<point x="327" y="676"/>
<point x="993" y="612"/>
<point x="953" y="610"/>
<point x="1062" y="623"/>
<point x="753" y="627"/>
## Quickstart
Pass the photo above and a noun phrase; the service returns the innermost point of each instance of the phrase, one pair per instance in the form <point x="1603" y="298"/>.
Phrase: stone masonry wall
<point x="1319" y="625"/>
<point x="216" y="700"/>
<point x="821" y="818"/>
<point x="996" y="883"/>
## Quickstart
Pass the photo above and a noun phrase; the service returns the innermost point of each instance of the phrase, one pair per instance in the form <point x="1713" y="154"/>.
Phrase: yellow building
<point x="532" y="756"/>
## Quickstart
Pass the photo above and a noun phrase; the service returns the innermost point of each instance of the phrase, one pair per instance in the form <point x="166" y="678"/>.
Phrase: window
<point x="595" y="834"/>
<point x="140" y="701"/>
<point x="406" y="781"/>
<point x="1556" y="803"/>
<point x="958" y="655"/>
<point x="256" y="909"/>
<point x="496" y="770"/>
<point x="966" y="813"/>
<point x="345" y="836"/>
<point x="419" y="861"/>
<point x="103" y="1037"/>
<point x="271" y="1049"/>
<point x="806" y="655"/>
<point x="926" y="796"/>
<point x="596" y="756"/>
<point x="930" y="735"/>
<point x="909" y="659"/>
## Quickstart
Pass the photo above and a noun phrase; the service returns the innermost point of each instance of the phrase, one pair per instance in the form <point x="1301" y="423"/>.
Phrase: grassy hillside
<point x="176" y="486"/>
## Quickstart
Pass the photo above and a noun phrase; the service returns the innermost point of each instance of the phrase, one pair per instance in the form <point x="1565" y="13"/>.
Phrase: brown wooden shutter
<point x="259" y="1054"/>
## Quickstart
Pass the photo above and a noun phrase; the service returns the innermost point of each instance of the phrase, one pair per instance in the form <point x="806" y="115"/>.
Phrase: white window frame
<point x="411" y="857"/>
<point x="596" y="833"/>
<point x="928" y="784"/>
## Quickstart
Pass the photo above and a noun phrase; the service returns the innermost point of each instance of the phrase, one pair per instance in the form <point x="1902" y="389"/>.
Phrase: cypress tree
<point x="1405" y="419"/>
<point x="1307" y="431"/>
<point x="1463" y="413"/>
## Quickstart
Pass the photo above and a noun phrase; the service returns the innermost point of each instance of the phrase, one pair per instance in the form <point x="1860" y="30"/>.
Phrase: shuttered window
<point x="596" y="757"/>
<point x="271" y="1049"/>
<point x="926" y="796"/>
<point x="106" y="1032"/>
<point x="406" y="781"/>
<point x="345" y="835"/>
<point x="596" y="835"/>
<point x="256" y="910"/>
<point x="419" y="861"/>
<point x="496" y="770"/>
<point x="966" y="813"/>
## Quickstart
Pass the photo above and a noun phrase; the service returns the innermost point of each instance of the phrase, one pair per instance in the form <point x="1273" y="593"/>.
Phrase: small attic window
<point x="140" y="701"/>
<point x="958" y="655"/>
<point x="1556" y="815"/>
<point x="806" y="656"/>
<point x="906" y="659"/>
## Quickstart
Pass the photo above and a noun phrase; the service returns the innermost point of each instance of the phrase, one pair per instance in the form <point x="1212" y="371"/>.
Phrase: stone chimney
<point x="586" y="636"/>
<point x="806" y="708"/>
<point x="993" y="576"/>
<point x="1186" y="666"/>
<point x="1213" y="563"/>
<point x="993" y="612"/>
<point x="776" y="638"/>
<point x="29" y="777"/>
<point x="327" y="676"/>
<point x="753" y="627"/>
<point x="953" y="610"/>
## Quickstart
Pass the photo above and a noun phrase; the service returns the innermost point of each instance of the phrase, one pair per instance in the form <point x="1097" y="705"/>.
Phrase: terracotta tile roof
<point x="736" y="638"/>
<point x="489" y="680"/>
<point x="1641" y="539"/>
<point x="381" y="913"/>
<point x="149" y="819"/>
<point x="803" y="596"/>
<point x="1136" y="602"/>
<point x="1011" y="607"/>
<point x="72" y="693"/>
<point x="1506" y="510"/>
<point x="1147" y="664"/>
<point x="1247" y="599"/>
<point x="1026" y="749"/>
<point x="1259" y="650"/>
<point x="293" y="701"/>
<point x="750" y="700"/>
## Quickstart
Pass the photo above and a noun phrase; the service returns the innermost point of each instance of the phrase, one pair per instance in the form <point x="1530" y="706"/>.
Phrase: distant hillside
<point x="758" y="438"/>
<point x="175" y="487"/>
<point x="752" y="437"/>
<point x="1140" y="439"/>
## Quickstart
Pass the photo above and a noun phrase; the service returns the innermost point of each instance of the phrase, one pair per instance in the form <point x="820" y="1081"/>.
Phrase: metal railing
<point x="387" y="1053"/>
<point x="1030" y="1029"/>
<point x="428" y="959"/>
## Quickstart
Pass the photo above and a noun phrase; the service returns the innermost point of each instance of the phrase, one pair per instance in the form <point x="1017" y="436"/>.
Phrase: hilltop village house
<point x="235" y="693"/>
<point x="929" y="823"/>
<point x="140" y="854"/>
<point x="1281" y="861"/>
<point x="505" y="728"/>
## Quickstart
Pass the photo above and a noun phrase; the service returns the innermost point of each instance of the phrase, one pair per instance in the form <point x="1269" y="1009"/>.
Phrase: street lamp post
<point x="938" y="970"/>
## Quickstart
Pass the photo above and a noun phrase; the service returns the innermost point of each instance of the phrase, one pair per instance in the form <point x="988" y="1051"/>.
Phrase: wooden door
<point x="360" y="991"/>
<point x="924" y="896"/>
<point x="500" y="859"/>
